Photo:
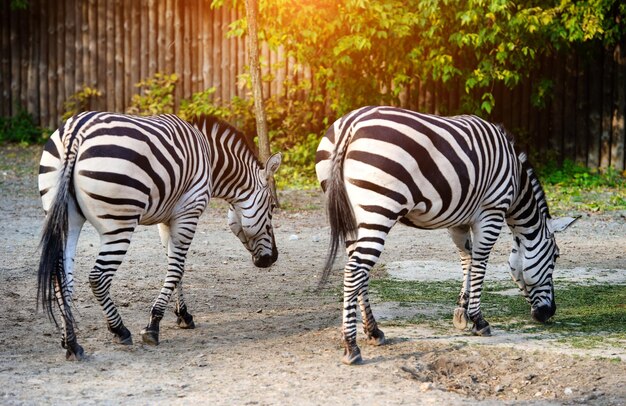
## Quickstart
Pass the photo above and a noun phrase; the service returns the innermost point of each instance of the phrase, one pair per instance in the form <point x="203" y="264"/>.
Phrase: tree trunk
<point x="257" y="87"/>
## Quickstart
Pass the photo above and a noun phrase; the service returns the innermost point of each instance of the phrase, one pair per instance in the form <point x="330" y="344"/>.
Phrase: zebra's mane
<point x="540" y="195"/>
<point x="209" y="121"/>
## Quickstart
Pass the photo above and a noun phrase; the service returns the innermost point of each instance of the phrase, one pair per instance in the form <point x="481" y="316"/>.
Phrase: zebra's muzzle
<point x="264" y="261"/>
<point x="543" y="313"/>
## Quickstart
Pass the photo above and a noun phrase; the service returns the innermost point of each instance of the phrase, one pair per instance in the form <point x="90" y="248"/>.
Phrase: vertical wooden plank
<point x="217" y="51"/>
<point x="619" y="107"/>
<point x="136" y="49"/>
<point x="160" y="37"/>
<point x="556" y="135"/>
<point x="82" y="9"/>
<point x="186" y="79"/>
<point x="232" y="42"/>
<point x="533" y="117"/>
<point x="69" y="68"/>
<point x="52" y="65"/>
<point x="242" y="62"/>
<point x="16" y="55"/>
<point x="5" y="59"/>
<point x="178" y="48"/>
<point x="524" y="123"/>
<point x="169" y="36"/>
<point x="265" y="69"/>
<point x="61" y="44"/>
<point x="144" y="60"/>
<point x="281" y="71"/>
<point x="101" y="54"/>
<point x="92" y="60"/>
<point x="110" y="55"/>
<point x="152" y="38"/>
<point x="118" y="56"/>
<point x="581" y="113"/>
<point x="31" y="65"/>
<point x="128" y="54"/>
<point x="607" y="105"/>
<point x="44" y="114"/>
<point x="594" y="113"/>
<point x="193" y="55"/>
<point x="569" y="107"/>
<point x="224" y="65"/>
<point x="207" y="35"/>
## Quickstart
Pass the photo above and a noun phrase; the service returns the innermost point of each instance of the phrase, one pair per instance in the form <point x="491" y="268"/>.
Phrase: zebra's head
<point x="251" y="219"/>
<point x="532" y="263"/>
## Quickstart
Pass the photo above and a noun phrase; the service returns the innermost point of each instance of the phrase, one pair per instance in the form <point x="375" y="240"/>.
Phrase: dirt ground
<point x="265" y="336"/>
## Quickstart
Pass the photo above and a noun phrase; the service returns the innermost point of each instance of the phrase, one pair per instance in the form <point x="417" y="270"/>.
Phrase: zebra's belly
<point x="425" y="221"/>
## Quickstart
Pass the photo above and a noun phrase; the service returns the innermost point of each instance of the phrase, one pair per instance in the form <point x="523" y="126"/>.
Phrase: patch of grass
<point x="581" y="309"/>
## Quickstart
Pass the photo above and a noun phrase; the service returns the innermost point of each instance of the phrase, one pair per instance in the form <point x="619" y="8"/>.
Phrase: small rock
<point x="259" y="311"/>
<point x="568" y="391"/>
<point x="293" y="237"/>
<point x="498" y="389"/>
<point x="316" y="238"/>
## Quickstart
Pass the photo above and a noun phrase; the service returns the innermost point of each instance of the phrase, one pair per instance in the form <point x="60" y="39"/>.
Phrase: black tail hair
<point x="343" y="225"/>
<point x="52" y="245"/>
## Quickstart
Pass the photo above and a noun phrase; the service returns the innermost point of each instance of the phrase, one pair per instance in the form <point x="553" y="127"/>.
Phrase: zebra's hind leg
<point x="183" y="318"/>
<point x="181" y="232"/>
<point x="462" y="238"/>
<point x="113" y="247"/>
<point x="374" y="335"/>
<point x="362" y="256"/>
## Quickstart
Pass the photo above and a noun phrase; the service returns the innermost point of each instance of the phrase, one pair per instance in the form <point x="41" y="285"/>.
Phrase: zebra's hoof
<point x="377" y="337"/>
<point x="150" y="337"/>
<point x="352" y="355"/>
<point x="481" y="327"/>
<point x="459" y="320"/>
<point x="75" y="352"/>
<point x="186" y="321"/>
<point x="121" y="335"/>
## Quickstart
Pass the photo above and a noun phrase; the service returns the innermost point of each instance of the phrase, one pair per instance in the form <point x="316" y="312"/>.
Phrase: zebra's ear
<point x="272" y="164"/>
<point x="559" y="224"/>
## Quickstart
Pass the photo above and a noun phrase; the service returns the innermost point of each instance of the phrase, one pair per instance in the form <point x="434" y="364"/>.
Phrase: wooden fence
<point x="53" y="49"/>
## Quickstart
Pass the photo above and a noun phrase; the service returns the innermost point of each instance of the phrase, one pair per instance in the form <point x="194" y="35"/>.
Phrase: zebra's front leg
<point x="183" y="318"/>
<point x="462" y="238"/>
<point x="485" y="234"/>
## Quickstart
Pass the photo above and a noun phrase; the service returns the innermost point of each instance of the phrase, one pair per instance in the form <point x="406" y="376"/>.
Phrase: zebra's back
<point x="144" y="168"/>
<point x="426" y="171"/>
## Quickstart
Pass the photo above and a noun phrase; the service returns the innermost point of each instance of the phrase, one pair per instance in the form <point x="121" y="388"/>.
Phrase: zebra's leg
<point x="374" y="335"/>
<point x="183" y="318"/>
<point x="64" y="289"/>
<point x="462" y="238"/>
<point x="362" y="256"/>
<point x="485" y="234"/>
<point x="113" y="247"/>
<point x="182" y="230"/>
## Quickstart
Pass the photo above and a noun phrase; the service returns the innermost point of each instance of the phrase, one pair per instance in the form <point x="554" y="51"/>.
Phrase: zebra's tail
<point x="54" y="238"/>
<point x="343" y="225"/>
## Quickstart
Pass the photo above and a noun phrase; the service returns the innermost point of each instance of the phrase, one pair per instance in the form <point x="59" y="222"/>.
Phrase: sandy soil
<point x="265" y="336"/>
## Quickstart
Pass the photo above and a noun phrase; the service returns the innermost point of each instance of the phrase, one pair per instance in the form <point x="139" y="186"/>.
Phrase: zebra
<point x="119" y="171"/>
<point x="381" y="165"/>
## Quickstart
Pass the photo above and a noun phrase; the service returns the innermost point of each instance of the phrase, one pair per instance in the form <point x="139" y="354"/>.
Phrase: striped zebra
<point x="117" y="172"/>
<point x="382" y="165"/>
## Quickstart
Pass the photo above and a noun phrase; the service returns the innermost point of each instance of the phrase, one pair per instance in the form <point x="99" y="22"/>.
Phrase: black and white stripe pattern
<point x="383" y="165"/>
<point x="117" y="172"/>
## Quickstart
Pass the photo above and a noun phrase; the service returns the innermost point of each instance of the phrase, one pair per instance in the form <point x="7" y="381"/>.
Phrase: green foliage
<point x="156" y="97"/>
<point x="19" y="4"/>
<point x="202" y="103"/>
<point x="369" y="51"/>
<point x="573" y="187"/>
<point x="20" y="128"/>
<point x="79" y="102"/>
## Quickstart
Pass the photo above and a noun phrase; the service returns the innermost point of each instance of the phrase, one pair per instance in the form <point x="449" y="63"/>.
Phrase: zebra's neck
<point x="529" y="212"/>
<point x="234" y="166"/>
